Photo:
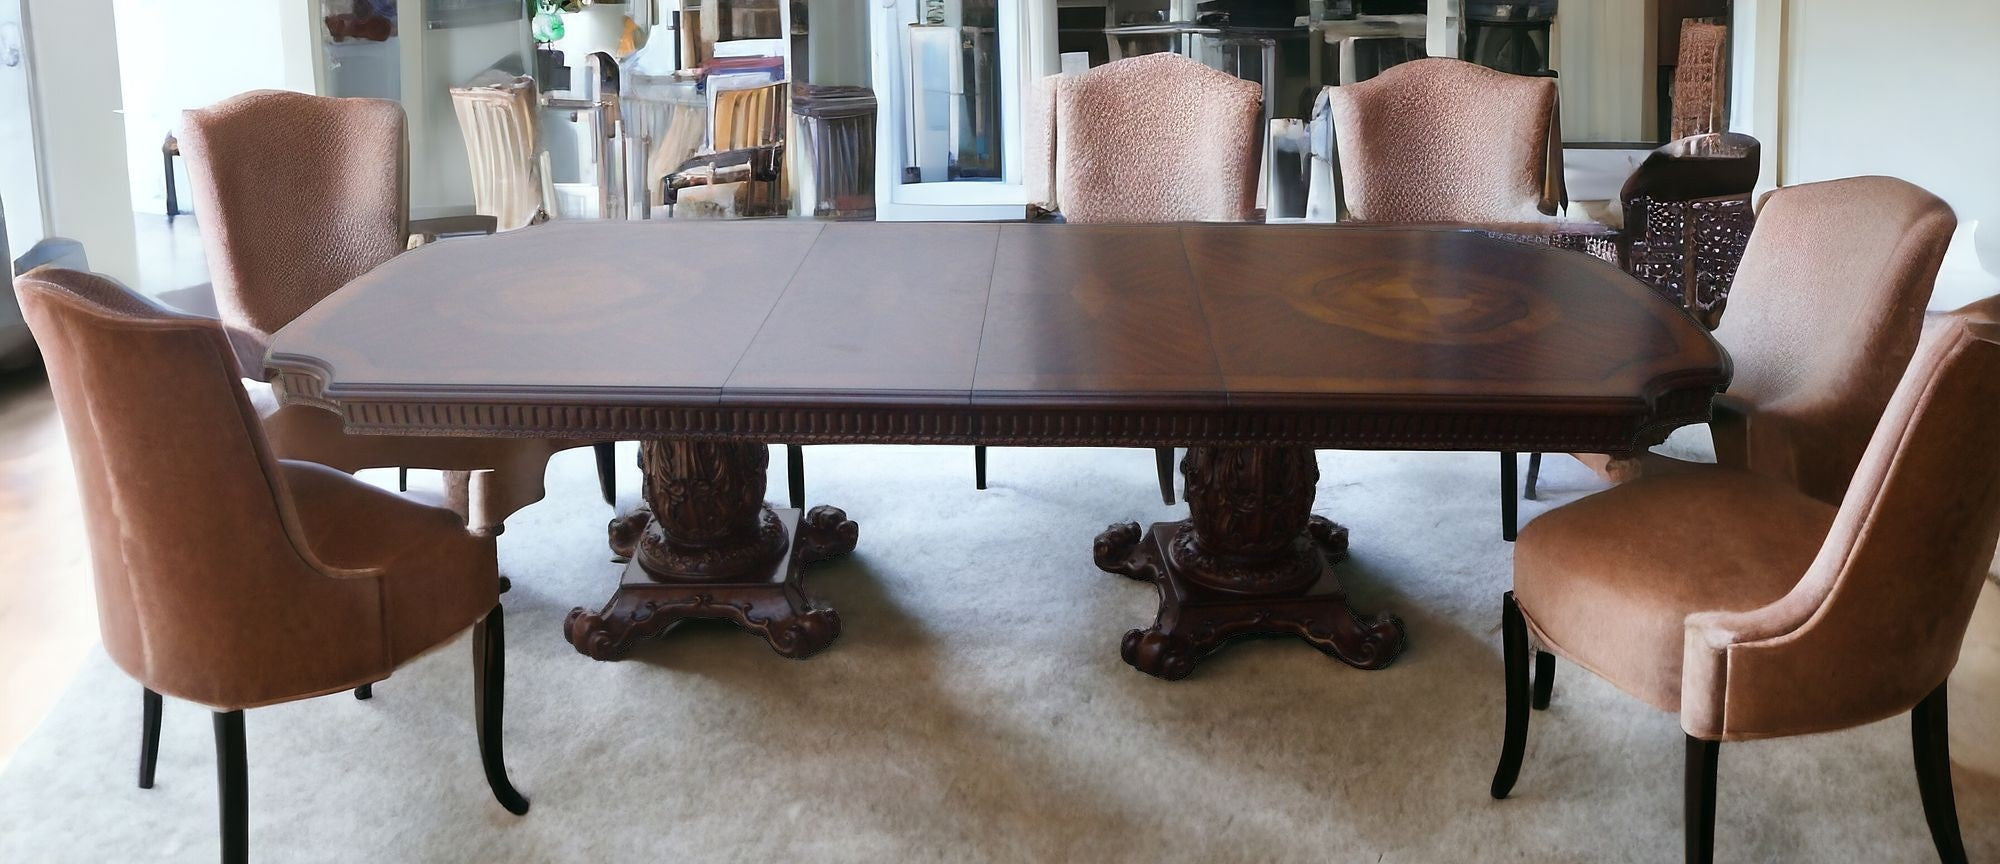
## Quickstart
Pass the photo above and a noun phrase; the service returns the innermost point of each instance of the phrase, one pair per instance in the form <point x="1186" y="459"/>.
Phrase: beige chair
<point x="510" y="171"/>
<point x="741" y="172"/>
<point x="1151" y="138"/>
<point x="298" y="196"/>
<point x="1441" y="140"/>
<point x="289" y="581"/>
<point x="1789" y="616"/>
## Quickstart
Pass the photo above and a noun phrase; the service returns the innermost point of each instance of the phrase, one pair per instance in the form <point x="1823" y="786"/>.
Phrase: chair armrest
<point x="728" y="166"/>
<point x="453" y="226"/>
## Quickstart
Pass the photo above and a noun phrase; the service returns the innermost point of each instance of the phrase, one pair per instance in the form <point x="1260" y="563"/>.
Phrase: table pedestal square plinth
<point x="1250" y="559"/>
<point x="707" y="547"/>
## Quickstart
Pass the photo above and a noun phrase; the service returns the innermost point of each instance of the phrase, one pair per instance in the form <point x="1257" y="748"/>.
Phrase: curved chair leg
<point x="1702" y="758"/>
<point x="1163" y="462"/>
<point x="1510" y="490"/>
<point x="1545" y="679"/>
<point x="979" y="467"/>
<point x="364" y="692"/>
<point x="1529" y="489"/>
<point x="1929" y="738"/>
<point x="795" y="474"/>
<point x="489" y="672"/>
<point x="149" y="737"/>
<point x="1514" y="650"/>
<point x="607" y="471"/>
<point x="233" y="779"/>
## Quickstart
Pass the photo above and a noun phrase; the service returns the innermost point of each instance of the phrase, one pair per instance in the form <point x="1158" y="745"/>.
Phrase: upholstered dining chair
<point x="299" y="195"/>
<point x="289" y="580"/>
<point x="1152" y="138"/>
<point x="1443" y="140"/>
<point x="1823" y="316"/>
<point x="1792" y="616"/>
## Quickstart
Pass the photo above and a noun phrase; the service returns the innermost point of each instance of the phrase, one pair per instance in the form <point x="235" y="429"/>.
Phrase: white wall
<point x="72" y="45"/>
<point x="1603" y="49"/>
<point x="180" y="54"/>
<point x="1911" y="90"/>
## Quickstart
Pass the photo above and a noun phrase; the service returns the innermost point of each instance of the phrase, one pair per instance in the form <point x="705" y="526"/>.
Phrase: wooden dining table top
<point x="797" y="331"/>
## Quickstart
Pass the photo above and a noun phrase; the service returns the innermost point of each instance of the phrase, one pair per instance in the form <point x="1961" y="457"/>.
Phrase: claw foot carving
<point x="825" y="533"/>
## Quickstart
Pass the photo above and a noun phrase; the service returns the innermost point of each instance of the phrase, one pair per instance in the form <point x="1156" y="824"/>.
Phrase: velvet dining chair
<point x="1152" y="138"/>
<point x="290" y="580"/>
<point x="298" y="195"/>
<point x="1443" y="140"/>
<point x="1823" y="316"/>
<point x="1791" y="615"/>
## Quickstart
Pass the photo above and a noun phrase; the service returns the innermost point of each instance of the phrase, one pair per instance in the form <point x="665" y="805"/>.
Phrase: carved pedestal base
<point x="1250" y="559"/>
<point x="710" y="549"/>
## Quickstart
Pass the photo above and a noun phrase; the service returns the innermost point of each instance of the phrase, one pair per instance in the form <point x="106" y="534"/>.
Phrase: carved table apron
<point x="1250" y="345"/>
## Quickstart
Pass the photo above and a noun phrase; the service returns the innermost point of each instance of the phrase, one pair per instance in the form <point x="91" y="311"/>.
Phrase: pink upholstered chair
<point x="1823" y="316"/>
<point x="289" y="580"/>
<point x="298" y="195"/>
<point x="1790" y="616"/>
<point x="1152" y="138"/>
<point x="1441" y="140"/>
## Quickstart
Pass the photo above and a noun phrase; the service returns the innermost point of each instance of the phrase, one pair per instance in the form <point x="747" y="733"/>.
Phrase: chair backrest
<point x="192" y="535"/>
<point x="1152" y="138"/>
<point x="749" y="117"/>
<point x="498" y="122"/>
<point x="1823" y="317"/>
<point x="1442" y="140"/>
<point x="1700" y="79"/>
<point x="298" y="195"/>
<point x="1877" y="621"/>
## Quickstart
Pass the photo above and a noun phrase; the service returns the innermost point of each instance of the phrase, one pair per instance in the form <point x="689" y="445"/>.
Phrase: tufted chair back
<point x="1823" y="317"/>
<point x="1440" y="140"/>
<point x="1153" y="138"/>
<point x="298" y="195"/>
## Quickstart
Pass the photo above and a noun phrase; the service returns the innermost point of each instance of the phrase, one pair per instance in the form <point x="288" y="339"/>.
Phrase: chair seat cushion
<point x="1607" y="581"/>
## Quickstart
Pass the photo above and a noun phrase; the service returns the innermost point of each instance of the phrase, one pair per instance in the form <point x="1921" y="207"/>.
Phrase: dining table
<point x="1250" y="345"/>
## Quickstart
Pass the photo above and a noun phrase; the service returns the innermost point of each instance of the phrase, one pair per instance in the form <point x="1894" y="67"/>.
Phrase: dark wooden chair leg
<point x="1930" y="740"/>
<point x="233" y="778"/>
<point x="1163" y="462"/>
<point x="607" y="471"/>
<point x="402" y="479"/>
<point x="1514" y="663"/>
<point x="364" y="692"/>
<point x="489" y="672"/>
<point x="795" y="474"/>
<point x="1510" y="490"/>
<point x="1529" y="490"/>
<point x="1545" y="679"/>
<point x="979" y="466"/>
<point x="1702" y="759"/>
<point x="149" y="737"/>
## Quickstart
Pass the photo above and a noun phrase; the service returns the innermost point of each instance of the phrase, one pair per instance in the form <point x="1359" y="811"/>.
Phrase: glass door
<point x="948" y="76"/>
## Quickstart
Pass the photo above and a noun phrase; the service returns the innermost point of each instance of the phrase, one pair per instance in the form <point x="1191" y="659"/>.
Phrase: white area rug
<point x="975" y="709"/>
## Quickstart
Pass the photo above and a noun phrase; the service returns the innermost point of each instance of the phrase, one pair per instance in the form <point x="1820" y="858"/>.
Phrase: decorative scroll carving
<point x="1251" y="558"/>
<point x="708" y="547"/>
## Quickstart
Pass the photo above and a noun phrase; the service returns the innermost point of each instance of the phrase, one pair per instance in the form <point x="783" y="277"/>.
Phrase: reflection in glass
<point x="954" y="92"/>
